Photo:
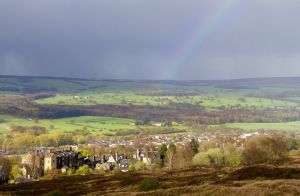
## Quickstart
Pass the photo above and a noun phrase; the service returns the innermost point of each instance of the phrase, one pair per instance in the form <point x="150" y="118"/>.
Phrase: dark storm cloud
<point x="136" y="38"/>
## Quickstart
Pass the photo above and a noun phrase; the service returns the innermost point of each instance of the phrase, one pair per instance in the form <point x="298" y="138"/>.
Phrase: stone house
<point x="58" y="160"/>
<point x="149" y="158"/>
<point x="115" y="159"/>
<point x="41" y="159"/>
<point x="50" y="162"/>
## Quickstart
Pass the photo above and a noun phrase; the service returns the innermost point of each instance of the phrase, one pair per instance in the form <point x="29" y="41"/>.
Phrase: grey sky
<point x="136" y="39"/>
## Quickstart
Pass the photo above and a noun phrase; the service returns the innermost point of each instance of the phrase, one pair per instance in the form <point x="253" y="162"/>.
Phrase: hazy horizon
<point x="155" y="40"/>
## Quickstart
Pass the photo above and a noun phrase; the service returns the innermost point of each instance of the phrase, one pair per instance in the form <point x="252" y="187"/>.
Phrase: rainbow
<point x="196" y="38"/>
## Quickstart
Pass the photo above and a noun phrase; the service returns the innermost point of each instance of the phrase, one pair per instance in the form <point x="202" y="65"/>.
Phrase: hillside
<point x="49" y="112"/>
<point x="252" y="180"/>
<point x="247" y="104"/>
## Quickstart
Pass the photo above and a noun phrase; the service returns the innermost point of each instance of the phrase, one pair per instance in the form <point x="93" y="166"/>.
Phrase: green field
<point x="250" y="94"/>
<point x="222" y="100"/>
<point x="109" y="125"/>
<point x="100" y="125"/>
<point x="91" y="124"/>
<point x="284" y="126"/>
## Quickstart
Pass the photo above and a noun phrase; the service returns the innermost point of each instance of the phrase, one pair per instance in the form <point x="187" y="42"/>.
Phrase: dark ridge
<point x="246" y="80"/>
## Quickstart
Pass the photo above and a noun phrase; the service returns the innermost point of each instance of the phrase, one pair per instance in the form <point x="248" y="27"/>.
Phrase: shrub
<point x="83" y="170"/>
<point x="117" y="169"/>
<point x="265" y="149"/>
<point x="140" y="166"/>
<point x="71" y="171"/>
<point x="51" y="174"/>
<point x="16" y="172"/>
<point x="149" y="184"/>
<point x="233" y="156"/>
<point x="213" y="156"/>
<point x="100" y="171"/>
<point x="132" y="167"/>
<point x="55" y="193"/>
<point x="229" y="156"/>
<point x="137" y="166"/>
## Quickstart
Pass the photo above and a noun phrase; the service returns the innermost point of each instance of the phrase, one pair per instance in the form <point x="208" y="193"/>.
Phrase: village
<point x="104" y="156"/>
<point x="220" y="139"/>
<point x="39" y="160"/>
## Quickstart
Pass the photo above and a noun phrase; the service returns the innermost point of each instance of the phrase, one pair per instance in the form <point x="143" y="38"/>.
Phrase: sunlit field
<point x="89" y="124"/>
<point x="283" y="126"/>
<point x="225" y="100"/>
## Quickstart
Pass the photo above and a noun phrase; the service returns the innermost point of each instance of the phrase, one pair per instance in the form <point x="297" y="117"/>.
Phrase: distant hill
<point x="37" y="84"/>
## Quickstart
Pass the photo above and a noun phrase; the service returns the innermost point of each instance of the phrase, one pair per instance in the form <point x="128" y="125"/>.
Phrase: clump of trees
<point x="137" y="166"/>
<point x="5" y="168"/>
<point x="266" y="149"/>
<point x="34" y="130"/>
<point x="269" y="149"/>
<point x="83" y="170"/>
<point x="178" y="156"/>
<point x="228" y="156"/>
<point x="19" y="139"/>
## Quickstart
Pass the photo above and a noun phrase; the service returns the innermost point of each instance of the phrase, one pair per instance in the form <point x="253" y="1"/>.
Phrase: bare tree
<point x="171" y="152"/>
<point x="6" y="166"/>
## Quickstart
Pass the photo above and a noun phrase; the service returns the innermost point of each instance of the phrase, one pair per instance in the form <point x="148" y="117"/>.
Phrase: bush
<point x="229" y="156"/>
<point x="149" y="184"/>
<point x="117" y="169"/>
<point x="132" y="167"/>
<point x="55" y="193"/>
<point x="233" y="156"/>
<point x="83" y="170"/>
<point x="265" y="149"/>
<point x="16" y="172"/>
<point x="51" y="174"/>
<point x="213" y="156"/>
<point x="71" y="171"/>
<point x="138" y="166"/>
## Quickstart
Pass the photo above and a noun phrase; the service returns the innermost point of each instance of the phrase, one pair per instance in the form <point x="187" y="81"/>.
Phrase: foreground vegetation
<point x="182" y="168"/>
<point x="193" y="181"/>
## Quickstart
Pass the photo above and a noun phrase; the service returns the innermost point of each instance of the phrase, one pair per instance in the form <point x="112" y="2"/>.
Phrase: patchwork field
<point x="249" y="100"/>
<point x="221" y="100"/>
<point x="284" y="126"/>
<point x="109" y="125"/>
<point x="90" y="124"/>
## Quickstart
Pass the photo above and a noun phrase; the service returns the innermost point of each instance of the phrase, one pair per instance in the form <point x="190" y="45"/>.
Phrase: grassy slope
<point x="224" y="99"/>
<point x="93" y="124"/>
<point x="194" y="181"/>
<point x="116" y="92"/>
<point x="284" y="126"/>
<point x="124" y="92"/>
